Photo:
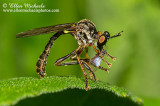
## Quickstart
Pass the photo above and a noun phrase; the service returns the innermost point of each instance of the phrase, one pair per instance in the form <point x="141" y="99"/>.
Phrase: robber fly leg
<point x="60" y="60"/>
<point x="85" y="74"/>
<point x="75" y="62"/>
<point x="98" y="66"/>
<point x="113" y="58"/>
<point x="102" y="68"/>
<point x="105" y="52"/>
<point x="91" y="73"/>
<point x="80" y="63"/>
<point x="109" y="64"/>
<point x="86" y="52"/>
<point x="95" y="49"/>
<point x="42" y="61"/>
<point x="74" y="56"/>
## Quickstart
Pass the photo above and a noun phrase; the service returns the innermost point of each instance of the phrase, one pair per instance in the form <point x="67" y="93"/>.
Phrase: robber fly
<point x="86" y="35"/>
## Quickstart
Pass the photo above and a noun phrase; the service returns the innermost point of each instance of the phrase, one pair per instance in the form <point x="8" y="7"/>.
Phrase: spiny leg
<point x="113" y="58"/>
<point x="41" y="63"/>
<point x="68" y="63"/>
<point x="83" y="61"/>
<point x="109" y="64"/>
<point x="100" y="67"/>
<point x="79" y="50"/>
<point x="80" y="63"/>
<point x="76" y="62"/>
<point x="95" y="49"/>
<point x="58" y="62"/>
<point x="90" y="72"/>
<point x="75" y="55"/>
<point x="86" y="65"/>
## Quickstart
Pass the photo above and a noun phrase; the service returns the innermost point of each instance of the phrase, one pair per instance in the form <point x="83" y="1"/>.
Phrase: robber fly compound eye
<point x="106" y="33"/>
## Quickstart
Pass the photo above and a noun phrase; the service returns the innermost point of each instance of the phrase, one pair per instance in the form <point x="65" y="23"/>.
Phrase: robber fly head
<point x="103" y="38"/>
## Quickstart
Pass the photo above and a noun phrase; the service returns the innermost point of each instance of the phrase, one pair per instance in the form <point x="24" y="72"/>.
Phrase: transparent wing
<point x="45" y="30"/>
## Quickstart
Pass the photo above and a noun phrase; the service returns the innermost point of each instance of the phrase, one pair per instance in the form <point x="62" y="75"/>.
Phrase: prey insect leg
<point x="42" y="61"/>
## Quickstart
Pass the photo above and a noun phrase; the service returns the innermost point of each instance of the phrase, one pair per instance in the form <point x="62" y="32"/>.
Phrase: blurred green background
<point x="137" y="50"/>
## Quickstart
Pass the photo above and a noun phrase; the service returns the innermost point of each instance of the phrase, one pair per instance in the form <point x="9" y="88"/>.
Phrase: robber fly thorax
<point x="86" y="35"/>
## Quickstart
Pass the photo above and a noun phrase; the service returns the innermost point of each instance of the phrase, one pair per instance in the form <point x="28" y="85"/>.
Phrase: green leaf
<point x="64" y="89"/>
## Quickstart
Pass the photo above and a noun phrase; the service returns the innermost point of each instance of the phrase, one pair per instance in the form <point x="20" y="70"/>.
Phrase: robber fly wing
<point x="45" y="30"/>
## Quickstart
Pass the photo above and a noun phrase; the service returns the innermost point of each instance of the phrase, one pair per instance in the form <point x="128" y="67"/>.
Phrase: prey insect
<point x="86" y="35"/>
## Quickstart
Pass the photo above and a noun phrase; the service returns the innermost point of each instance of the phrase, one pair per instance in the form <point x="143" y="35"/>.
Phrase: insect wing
<point x="45" y="30"/>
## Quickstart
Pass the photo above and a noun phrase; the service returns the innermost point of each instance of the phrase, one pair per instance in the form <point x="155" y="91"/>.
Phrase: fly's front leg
<point x="42" y="61"/>
<point x="109" y="64"/>
<point x="74" y="56"/>
<point x="100" y="67"/>
<point x="113" y="58"/>
<point x="95" y="49"/>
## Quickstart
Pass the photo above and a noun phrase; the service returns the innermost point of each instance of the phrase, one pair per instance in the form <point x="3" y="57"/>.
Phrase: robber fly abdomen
<point x="86" y="35"/>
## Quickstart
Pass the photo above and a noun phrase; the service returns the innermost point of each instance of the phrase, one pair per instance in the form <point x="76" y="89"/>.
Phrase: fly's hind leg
<point x="42" y="61"/>
<point x="91" y="72"/>
<point x="76" y="53"/>
<point x="84" y="63"/>
<point x="60" y="60"/>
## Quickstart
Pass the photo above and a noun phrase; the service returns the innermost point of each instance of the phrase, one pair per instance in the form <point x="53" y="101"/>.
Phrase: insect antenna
<point x="119" y="34"/>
